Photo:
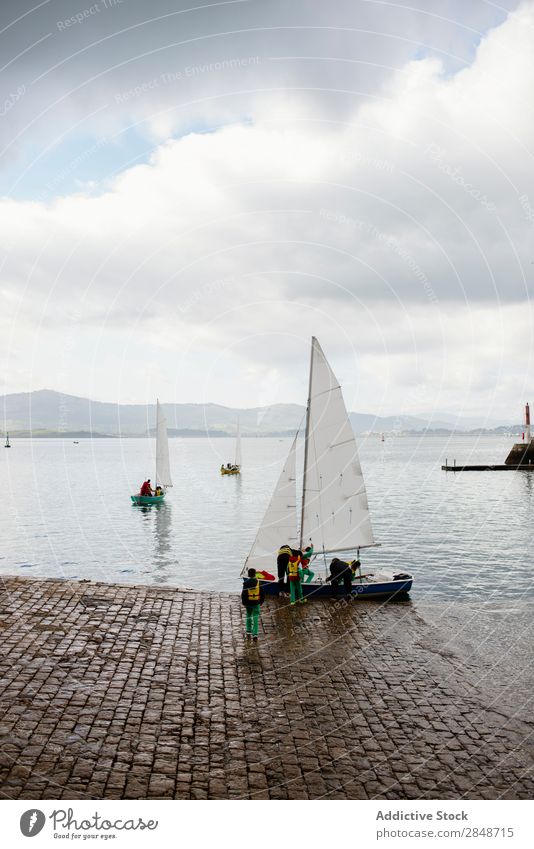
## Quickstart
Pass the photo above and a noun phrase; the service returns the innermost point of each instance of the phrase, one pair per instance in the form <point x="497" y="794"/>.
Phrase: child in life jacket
<point x="252" y="596"/>
<point x="293" y="577"/>
<point x="305" y="572"/>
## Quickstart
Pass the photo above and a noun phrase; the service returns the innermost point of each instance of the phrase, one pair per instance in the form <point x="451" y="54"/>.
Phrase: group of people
<point x="293" y="564"/>
<point x="146" y="489"/>
<point x="293" y="571"/>
<point x="230" y="467"/>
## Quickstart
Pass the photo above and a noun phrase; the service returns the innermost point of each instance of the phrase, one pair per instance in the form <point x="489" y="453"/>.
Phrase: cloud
<point x="397" y="228"/>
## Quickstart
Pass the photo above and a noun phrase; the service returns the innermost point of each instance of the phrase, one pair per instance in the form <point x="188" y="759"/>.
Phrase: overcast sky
<point x="189" y="191"/>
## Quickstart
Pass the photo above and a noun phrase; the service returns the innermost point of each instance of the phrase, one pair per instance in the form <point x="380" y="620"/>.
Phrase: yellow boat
<point x="233" y="470"/>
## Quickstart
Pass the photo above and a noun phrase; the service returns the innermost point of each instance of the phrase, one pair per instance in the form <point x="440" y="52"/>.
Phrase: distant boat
<point x="76" y="442"/>
<point x="382" y="438"/>
<point x="163" y="470"/>
<point x="8" y="444"/>
<point x="334" y="508"/>
<point x="234" y="468"/>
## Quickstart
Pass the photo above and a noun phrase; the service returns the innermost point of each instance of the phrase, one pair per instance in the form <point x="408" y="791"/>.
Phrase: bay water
<point x="66" y="513"/>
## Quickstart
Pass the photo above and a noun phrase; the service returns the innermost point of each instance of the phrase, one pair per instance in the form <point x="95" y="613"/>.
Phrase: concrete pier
<point x="129" y="692"/>
<point x="521" y="454"/>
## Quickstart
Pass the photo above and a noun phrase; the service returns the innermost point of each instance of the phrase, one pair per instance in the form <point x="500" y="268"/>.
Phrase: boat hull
<point x="230" y="471"/>
<point x="366" y="589"/>
<point x="142" y="500"/>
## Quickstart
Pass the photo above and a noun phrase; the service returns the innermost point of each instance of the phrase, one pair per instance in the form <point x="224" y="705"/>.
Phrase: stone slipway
<point x="110" y="691"/>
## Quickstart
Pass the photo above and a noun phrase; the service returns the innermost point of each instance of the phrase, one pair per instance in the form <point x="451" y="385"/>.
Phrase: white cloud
<point x="397" y="233"/>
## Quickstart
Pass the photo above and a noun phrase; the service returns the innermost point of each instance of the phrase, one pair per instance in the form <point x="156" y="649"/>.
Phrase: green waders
<point x="295" y="591"/>
<point x="252" y="619"/>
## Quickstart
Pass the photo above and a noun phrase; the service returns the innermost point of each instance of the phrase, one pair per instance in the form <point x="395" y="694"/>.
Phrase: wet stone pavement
<point x="110" y="691"/>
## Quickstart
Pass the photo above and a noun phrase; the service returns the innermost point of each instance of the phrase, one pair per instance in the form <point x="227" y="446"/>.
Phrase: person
<point x="293" y="577"/>
<point x="305" y="572"/>
<point x="252" y="596"/>
<point x="284" y="553"/>
<point x="146" y="489"/>
<point x="159" y="490"/>
<point x="340" y="570"/>
<point x="228" y="465"/>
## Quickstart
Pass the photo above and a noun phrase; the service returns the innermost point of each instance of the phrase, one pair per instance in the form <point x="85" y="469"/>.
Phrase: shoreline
<point x="130" y="691"/>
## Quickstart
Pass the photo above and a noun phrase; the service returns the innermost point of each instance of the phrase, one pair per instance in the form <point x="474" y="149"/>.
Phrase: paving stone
<point x="119" y="692"/>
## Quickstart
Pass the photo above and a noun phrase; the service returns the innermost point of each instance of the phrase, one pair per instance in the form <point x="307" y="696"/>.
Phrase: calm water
<point x="66" y="512"/>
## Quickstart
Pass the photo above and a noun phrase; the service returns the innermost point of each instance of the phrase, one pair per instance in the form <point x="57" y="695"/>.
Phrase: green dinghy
<point x="147" y="499"/>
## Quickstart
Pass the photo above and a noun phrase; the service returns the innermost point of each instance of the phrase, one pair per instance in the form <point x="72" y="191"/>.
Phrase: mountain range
<point x="46" y="413"/>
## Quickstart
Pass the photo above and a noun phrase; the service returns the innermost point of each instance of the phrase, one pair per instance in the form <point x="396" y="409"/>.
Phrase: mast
<point x="157" y="440"/>
<point x="306" y="443"/>
<point x="238" y="444"/>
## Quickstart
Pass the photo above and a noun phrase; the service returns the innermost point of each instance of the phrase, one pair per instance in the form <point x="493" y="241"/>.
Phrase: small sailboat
<point x="235" y="468"/>
<point x="8" y="444"/>
<point x="163" y="471"/>
<point x="334" y="512"/>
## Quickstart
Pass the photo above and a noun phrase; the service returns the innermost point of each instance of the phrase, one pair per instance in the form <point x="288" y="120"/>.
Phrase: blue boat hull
<point x="378" y="589"/>
<point x="142" y="500"/>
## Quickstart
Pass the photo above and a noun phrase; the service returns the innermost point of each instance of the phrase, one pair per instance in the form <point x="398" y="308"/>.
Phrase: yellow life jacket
<point x="254" y="593"/>
<point x="285" y="550"/>
<point x="293" y="568"/>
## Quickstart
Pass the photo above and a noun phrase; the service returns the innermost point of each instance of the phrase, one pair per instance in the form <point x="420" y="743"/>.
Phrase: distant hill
<point x="45" y="413"/>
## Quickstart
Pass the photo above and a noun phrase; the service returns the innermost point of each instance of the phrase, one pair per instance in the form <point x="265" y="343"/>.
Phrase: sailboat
<point x="234" y="469"/>
<point x="8" y="444"/>
<point x="334" y="512"/>
<point x="163" y="470"/>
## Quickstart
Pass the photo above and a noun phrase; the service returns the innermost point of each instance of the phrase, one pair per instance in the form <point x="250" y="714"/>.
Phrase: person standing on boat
<point x="293" y="577"/>
<point x="340" y="571"/>
<point x="305" y="572"/>
<point x="252" y="596"/>
<point x="146" y="489"/>
<point x="284" y="553"/>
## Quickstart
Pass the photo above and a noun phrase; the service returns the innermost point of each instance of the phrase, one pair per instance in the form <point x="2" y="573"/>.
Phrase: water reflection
<point x="163" y="559"/>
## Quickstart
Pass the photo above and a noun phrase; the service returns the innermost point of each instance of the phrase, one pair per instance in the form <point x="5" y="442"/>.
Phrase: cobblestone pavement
<point x="111" y="691"/>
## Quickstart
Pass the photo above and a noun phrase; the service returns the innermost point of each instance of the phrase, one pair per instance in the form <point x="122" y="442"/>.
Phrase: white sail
<point x="163" y="470"/>
<point x="238" y="446"/>
<point x="279" y="526"/>
<point x="335" y="512"/>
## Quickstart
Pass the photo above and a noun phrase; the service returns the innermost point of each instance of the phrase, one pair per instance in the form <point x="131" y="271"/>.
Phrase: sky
<point x="190" y="191"/>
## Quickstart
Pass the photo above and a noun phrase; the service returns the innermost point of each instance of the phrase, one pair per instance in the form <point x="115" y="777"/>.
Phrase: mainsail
<point x="238" y="445"/>
<point x="335" y="512"/>
<point x="163" y="471"/>
<point x="279" y="526"/>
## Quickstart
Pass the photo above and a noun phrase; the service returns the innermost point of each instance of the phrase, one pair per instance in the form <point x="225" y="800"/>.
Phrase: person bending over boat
<point x="146" y="489"/>
<point x="284" y="553"/>
<point x="293" y="577"/>
<point x="252" y="596"/>
<point x="305" y="572"/>
<point x="341" y="571"/>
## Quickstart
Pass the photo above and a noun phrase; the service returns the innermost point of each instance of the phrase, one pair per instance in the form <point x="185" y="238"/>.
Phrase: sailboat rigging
<point x="163" y="478"/>
<point x="235" y="467"/>
<point x="8" y="444"/>
<point x="334" y="513"/>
